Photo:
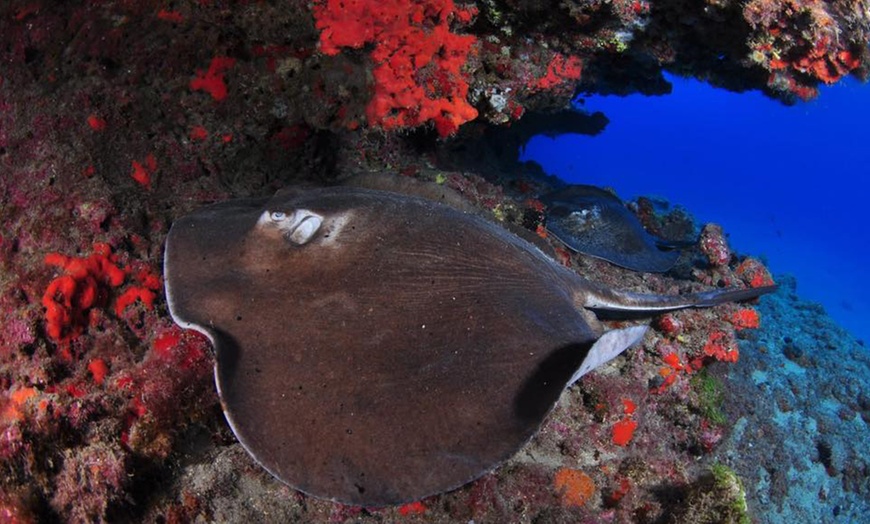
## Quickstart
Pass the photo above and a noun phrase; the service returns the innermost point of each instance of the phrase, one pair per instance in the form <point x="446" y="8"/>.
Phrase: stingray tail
<point x="671" y="245"/>
<point x="605" y="299"/>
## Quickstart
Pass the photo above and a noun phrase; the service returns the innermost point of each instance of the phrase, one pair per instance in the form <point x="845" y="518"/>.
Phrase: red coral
<point x="418" y="60"/>
<point x="561" y="70"/>
<point x="722" y="347"/>
<point x="673" y="360"/>
<point x="617" y="493"/>
<point x="753" y="273"/>
<point x="799" y="42"/>
<point x="142" y="171"/>
<point x="131" y="295"/>
<point x="671" y="372"/>
<point x="170" y="16"/>
<point x="212" y="81"/>
<point x="669" y="325"/>
<point x="623" y="431"/>
<point x="96" y="123"/>
<point x="164" y="343"/>
<point x="574" y="487"/>
<point x="745" y="318"/>
<point x="99" y="370"/>
<point x="69" y="297"/>
<point x="11" y="407"/>
<point x="412" y="508"/>
<point x="198" y="133"/>
<point x="85" y="285"/>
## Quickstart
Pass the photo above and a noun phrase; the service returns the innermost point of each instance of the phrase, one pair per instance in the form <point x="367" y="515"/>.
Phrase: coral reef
<point x="118" y="117"/>
<point x="417" y="59"/>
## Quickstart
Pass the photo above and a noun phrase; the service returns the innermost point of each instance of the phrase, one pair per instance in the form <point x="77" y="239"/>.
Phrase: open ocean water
<point x="787" y="183"/>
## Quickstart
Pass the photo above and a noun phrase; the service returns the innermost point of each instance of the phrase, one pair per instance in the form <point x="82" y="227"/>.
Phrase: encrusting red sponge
<point x="85" y="284"/>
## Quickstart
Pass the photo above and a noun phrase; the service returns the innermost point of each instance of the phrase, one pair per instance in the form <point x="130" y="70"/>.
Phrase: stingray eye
<point x="298" y="227"/>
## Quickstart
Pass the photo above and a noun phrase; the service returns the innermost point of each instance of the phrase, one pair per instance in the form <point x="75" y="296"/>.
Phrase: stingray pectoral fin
<point x="608" y="347"/>
<point x="606" y="299"/>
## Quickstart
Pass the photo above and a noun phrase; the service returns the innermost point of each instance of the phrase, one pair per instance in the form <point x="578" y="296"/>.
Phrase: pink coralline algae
<point x="714" y="245"/>
<point x="181" y="360"/>
<point x="90" y="478"/>
<point x="19" y="332"/>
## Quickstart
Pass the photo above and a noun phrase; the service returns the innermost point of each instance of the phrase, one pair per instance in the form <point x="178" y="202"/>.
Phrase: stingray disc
<point x="594" y="222"/>
<point x="374" y="348"/>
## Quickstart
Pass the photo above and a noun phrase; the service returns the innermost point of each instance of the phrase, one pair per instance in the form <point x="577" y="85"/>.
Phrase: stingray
<point x="595" y="222"/>
<point x="375" y="348"/>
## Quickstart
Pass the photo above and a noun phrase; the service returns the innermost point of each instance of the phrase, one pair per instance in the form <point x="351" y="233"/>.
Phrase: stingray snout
<point x="298" y="226"/>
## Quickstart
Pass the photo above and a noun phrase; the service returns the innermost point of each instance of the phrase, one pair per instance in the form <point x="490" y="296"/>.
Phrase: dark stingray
<point x="595" y="222"/>
<point x="375" y="348"/>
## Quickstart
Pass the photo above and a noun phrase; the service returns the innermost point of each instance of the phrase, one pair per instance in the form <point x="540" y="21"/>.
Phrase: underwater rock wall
<point x="799" y="407"/>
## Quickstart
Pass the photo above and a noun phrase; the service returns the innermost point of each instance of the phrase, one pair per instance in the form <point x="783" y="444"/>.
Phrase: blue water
<point x="787" y="183"/>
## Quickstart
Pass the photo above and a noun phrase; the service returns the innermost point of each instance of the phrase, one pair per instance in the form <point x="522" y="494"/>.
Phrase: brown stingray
<point x="375" y="348"/>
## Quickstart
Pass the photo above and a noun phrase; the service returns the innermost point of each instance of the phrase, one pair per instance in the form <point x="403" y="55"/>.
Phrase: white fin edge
<point x="608" y="347"/>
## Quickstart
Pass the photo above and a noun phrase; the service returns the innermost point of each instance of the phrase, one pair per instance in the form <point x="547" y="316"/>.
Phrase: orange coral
<point x="574" y="487"/>
<point x="11" y="412"/>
